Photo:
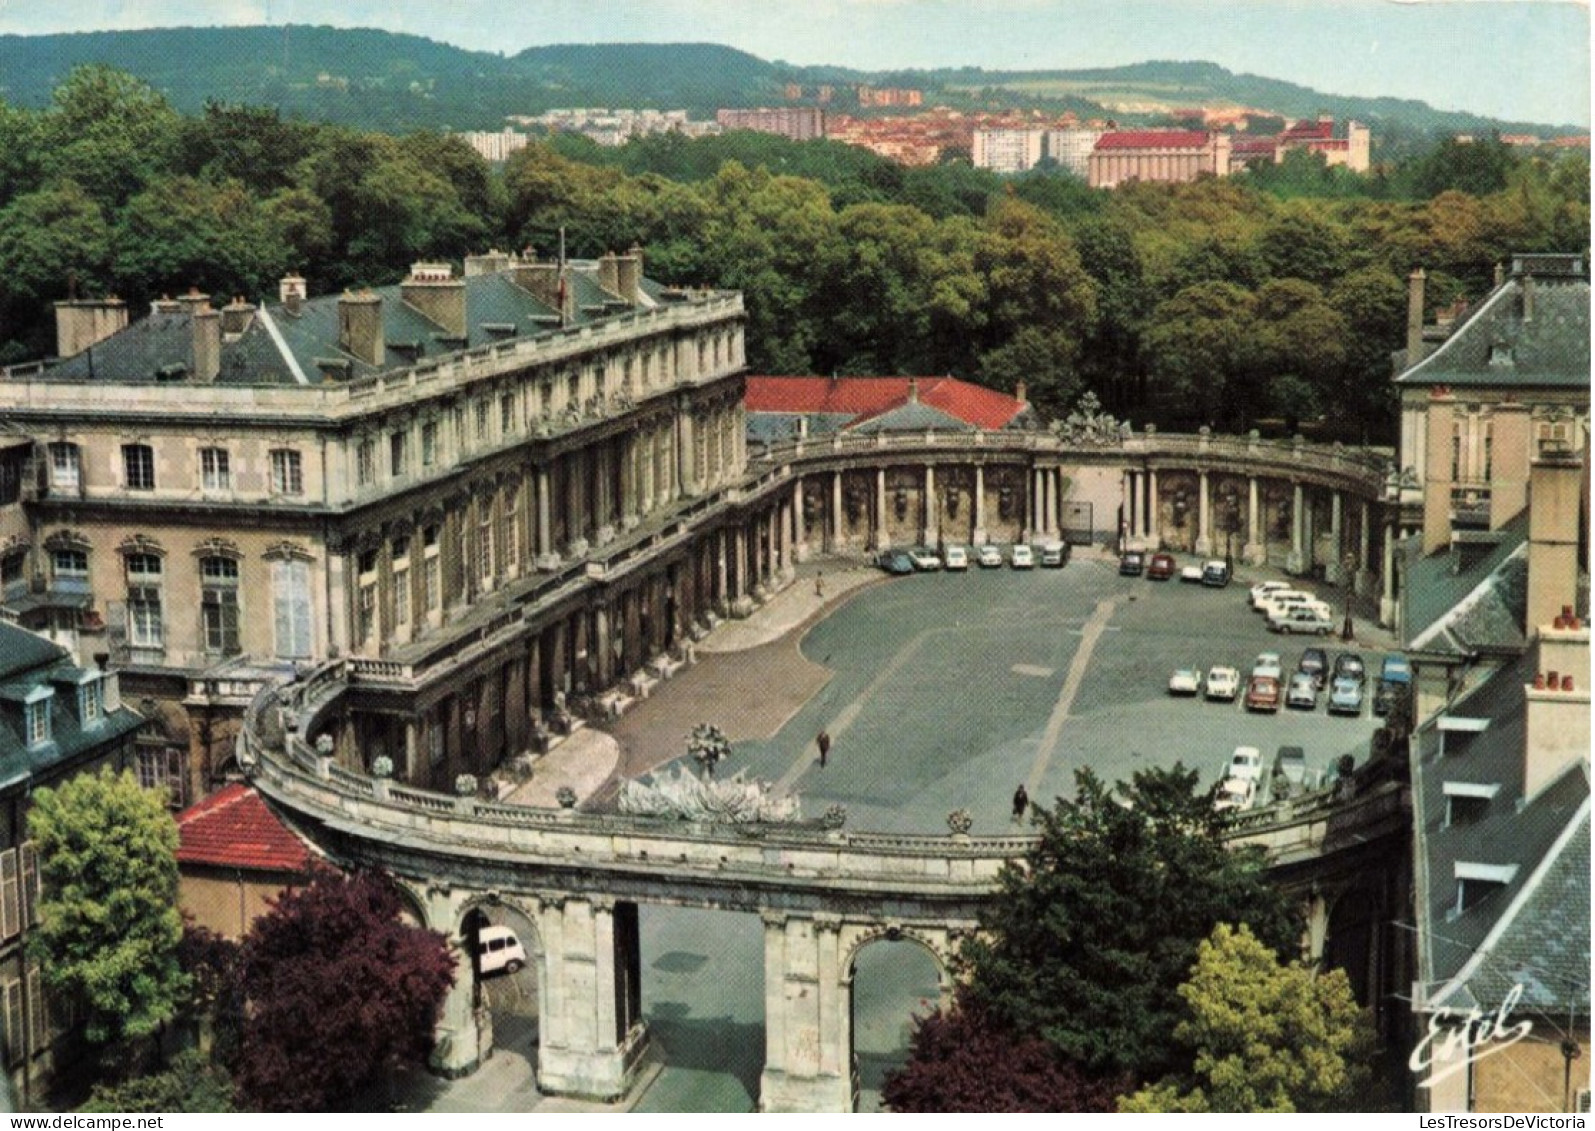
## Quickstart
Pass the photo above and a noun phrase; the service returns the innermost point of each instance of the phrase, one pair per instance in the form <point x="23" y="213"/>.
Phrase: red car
<point x="1161" y="568"/>
<point x="1262" y="693"/>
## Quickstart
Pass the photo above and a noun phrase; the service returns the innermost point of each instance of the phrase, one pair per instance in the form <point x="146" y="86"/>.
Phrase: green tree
<point x="181" y="232"/>
<point x="189" y="1084"/>
<point x="1262" y="1035"/>
<point x="109" y="928"/>
<point x="109" y="132"/>
<point x="1199" y="344"/>
<point x="1089" y="938"/>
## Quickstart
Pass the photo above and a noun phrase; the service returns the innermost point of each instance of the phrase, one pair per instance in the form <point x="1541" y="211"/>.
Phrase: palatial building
<point x="485" y="493"/>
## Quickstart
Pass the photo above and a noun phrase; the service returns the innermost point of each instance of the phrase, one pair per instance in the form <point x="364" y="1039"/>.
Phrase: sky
<point x="1521" y="60"/>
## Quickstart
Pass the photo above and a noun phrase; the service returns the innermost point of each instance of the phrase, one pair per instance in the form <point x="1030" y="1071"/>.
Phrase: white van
<point x="498" y="950"/>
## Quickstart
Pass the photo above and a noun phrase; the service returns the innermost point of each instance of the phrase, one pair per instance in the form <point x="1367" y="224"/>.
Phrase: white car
<point x="1282" y="598"/>
<point x="924" y="560"/>
<point x="1262" y="589"/>
<point x="1246" y="763"/>
<point x="955" y="557"/>
<point x="1022" y="557"/>
<point x="1268" y="664"/>
<point x="988" y="556"/>
<point x="1053" y="554"/>
<point x="1191" y="574"/>
<point x="1223" y="683"/>
<point x="1235" y="793"/>
<point x="1185" y="681"/>
<point x="1300" y="618"/>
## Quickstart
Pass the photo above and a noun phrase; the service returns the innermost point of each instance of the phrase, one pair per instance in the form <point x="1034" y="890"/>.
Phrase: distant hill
<point x="385" y="81"/>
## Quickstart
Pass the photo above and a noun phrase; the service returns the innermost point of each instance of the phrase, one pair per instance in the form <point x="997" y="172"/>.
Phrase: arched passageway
<point x="893" y="983"/>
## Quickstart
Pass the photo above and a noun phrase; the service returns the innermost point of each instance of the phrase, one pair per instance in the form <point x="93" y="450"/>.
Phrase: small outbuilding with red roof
<point x="783" y="408"/>
<point x="233" y="855"/>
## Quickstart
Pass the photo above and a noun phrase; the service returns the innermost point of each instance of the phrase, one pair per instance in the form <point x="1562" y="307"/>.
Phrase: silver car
<point x="1302" y="692"/>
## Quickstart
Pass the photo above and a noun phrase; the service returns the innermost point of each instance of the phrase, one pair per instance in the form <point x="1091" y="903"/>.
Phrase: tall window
<point x="286" y="477"/>
<point x="485" y="540"/>
<point x="38" y="720"/>
<point x="429" y="443"/>
<point x="90" y="703"/>
<point x="431" y="569"/>
<point x="397" y="453"/>
<point x="506" y="414"/>
<point x="365" y="463"/>
<point x="509" y="533"/>
<point x="14" y="574"/>
<point x="481" y="419"/>
<point x="290" y="588"/>
<point x="214" y="473"/>
<point x="144" y="628"/>
<point x="161" y="767"/>
<point x="138" y="466"/>
<point x="401" y="593"/>
<point x="219" y="604"/>
<point x="459" y="428"/>
<point x="64" y="468"/>
<point x="71" y="570"/>
<point x="368" y="595"/>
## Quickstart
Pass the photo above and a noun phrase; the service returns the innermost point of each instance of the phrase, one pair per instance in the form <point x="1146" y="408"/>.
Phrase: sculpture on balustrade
<point x="686" y="797"/>
<point x="1088" y="426"/>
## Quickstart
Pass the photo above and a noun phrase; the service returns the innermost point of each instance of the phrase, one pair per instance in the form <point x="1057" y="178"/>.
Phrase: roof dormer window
<point x="36" y="714"/>
<point x="1466" y="802"/>
<point x="1477" y="882"/>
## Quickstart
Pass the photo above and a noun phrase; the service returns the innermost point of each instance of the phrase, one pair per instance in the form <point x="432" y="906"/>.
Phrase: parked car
<point x="1215" y="574"/>
<point x="1160" y="568"/>
<point x="1246" y="763"/>
<point x="894" y="561"/>
<point x="1262" y="589"/>
<point x="924" y="560"/>
<point x="1315" y="662"/>
<point x="955" y="557"/>
<point x="1223" y="683"/>
<point x="989" y="556"/>
<point x="1302" y="692"/>
<point x="1131" y="564"/>
<point x="1267" y="663"/>
<point x="1262" y="693"/>
<point x="1299" y="618"/>
<point x="1191" y="575"/>
<point x="1395" y="677"/>
<point x="1234" y="794"/>
<point x="1022" y="557"/>
<point x="1054" y="555"/>
<point x="1279" y="598"/>
<point x="1291" y="761"/>
<point x="498" y="951"/>
<point x="1349" y="665"/>
<point x="1186" y="681"/>
<point x="1345" y="696"/>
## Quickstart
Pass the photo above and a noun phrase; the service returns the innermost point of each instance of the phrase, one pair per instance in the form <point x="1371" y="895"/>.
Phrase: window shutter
<point x="16" y="1036"/>
<point x="229" y="605"/>
<point x="30" y="884"/>
<point x="282" y="608"/>
<point x="10" y="901"/>
<point x="38" y="1031"/>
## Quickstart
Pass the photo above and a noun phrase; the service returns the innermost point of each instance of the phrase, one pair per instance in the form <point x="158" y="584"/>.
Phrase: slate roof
<point x="1528" y="925"/>
<point x="857" y="399"/>
<point x="1496" y="345"/>
<point x="28" y="661"/>
<point x="1480" y="607"/>
<point x="1153" y="139"/>
<point x="233" y="828"/>
<point x="280" y="348"/>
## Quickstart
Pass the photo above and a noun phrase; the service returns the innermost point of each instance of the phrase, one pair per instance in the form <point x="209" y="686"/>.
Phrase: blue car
<point x="895" y="561"/>
<point x="1345" y="696"/>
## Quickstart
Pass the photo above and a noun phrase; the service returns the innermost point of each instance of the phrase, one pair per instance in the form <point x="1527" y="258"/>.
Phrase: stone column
<point x="786" y="511"/>
<point x="742" y="599"/>
<point x="1204" y="519"/>
<point x="1362" y="581"/>
<point x="1132" y="513"/>
<point x="1295" y="563"/>
<point x="1253" y="552"/>
<point x="547" y="555"/>
<point x="722" y="564"/>
<point x="1154" y="513"/>
<point x="932" y="529"/>
<point x="1387" y="579"/>
<point x="1332" y="568"/>
<point x="980" y="536"/>
<point x="603" y="647"/>
<point x="807" y="1017"/>
<point x="800" y="533"/>
<point x="463" y="1037"/>
<point x="1049" y="500"/>
<point x="629" y="507"/>
<point x="586" y="1046"/>
<point x="882" y="538"/>
<point x="686" y="451"/>
<point x="836" y="510"/>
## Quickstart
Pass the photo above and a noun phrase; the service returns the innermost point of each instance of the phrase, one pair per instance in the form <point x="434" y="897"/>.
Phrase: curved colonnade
<point x="601" y="632"/>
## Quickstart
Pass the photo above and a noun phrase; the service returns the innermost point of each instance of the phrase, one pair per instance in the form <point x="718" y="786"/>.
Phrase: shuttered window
<point x="38" y="1030"/>
<point x="290" y="584"/>
<point x="29" y="859"/>
<point x="16" y="1036"/>
<point x="10" y="895"/>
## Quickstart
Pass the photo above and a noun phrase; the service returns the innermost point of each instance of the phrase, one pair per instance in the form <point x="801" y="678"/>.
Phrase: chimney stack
<point x="432" y="290"/>
<point x="1437" y="471"/>
<point x="166" y="304"/>
<point x="1556" y="723"/>
<point x="360" y="326"/>
<point x="206" y="360"/>
<point x="291" y="290"/>
<point x="1555" y="488"/>
<point x="1019" y="392"/>
<point x="236" y="317"/>
<point x="628" y="276"/>
<point x="543" y="282"/>
<point x="81" y="323"/>
<point x="1415" y="282"/>
<point x="609" y="273"/>
<point x="491" y="263"/>
<point x="193" y="300"/>
<point x="1509" y="462"/>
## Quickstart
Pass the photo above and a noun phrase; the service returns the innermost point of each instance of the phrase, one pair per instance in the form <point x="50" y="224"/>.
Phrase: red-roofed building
<point x="233" y="855"/>
<point x="780" y="408"/>
<point x="1158" y="155"/>
<point x="1315" y="136"/>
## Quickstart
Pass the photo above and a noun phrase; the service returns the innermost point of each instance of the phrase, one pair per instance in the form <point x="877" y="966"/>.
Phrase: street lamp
<point x="1231" y="502"/>
<point x="1348" y="568"/>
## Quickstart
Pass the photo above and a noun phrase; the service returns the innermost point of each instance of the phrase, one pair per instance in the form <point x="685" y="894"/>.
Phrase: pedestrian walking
<point x="1021" y="802"/>
<point x="823" y="741"/>
<point x="819" y="585"/>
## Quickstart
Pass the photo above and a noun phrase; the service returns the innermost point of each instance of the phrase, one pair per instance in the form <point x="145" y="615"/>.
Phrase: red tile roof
<point x="860" y="397"/>
<point x="232" y="828"/>
<point x="1309" y="131"/>
<point x="1252" y="145"/>
<point x="1153" y="139"/>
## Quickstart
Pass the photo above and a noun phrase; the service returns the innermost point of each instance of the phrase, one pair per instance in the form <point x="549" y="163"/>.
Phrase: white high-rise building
<point x="1007" y="150"/>
<point x="1071" y="149"/>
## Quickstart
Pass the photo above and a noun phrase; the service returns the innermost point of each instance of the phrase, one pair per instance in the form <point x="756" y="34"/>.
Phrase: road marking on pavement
<point x="1030" y="669"/>
<point x="851" y="712"/>
<point x="1089" y="636"/>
